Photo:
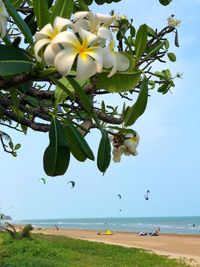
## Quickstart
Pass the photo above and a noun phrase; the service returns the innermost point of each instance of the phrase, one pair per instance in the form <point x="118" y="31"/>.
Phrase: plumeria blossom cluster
<point x="124" y="144"/>
<point x="3" y="19"/>
<point x="172" y="22"/>
<point x="84" y="44"/>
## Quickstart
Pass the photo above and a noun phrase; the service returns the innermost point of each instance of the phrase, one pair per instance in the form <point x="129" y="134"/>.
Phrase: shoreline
<point x="184" y="247"/>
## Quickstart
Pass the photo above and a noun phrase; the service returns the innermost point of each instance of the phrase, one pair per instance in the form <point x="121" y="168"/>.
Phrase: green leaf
<point x="13" y="61"/>
<point x="132" y="30"/>
<point x="17" y="146"/>
<point x="74" y="146"/>
<point x="151" y="32"/>
<point x="154" y="49"/>
<point x="16" y="3"/>
<point x="32" y="24"/>
<point x="79" y="139"/>
<point x="25" y="87"/>
<point x="171" y="56"/>
<point x="64" y="89"/>
<point x="140" y="41"/>
<point x="164" y="88"/>
<point x="165" y="2"/>
<point x="104" y="155"/>
<point x="24" y="128"/>
<point x="57" y="154"/>
<point x="11" y="145"/>
<point x="19" y="21"/>
<point x="100" y="2"/>
<point x="176" y="39"/>
<point x="88" y="2"/>
<point x="166" y="42"/>
<point x="59" y="95"/>
<point x="103" y="107"/>
<point x="32" y="100"/>
<point x="15" y="101"/>
<point x="83" y="5"/>
<point x="140" y="105"/>
<point x="119" y="82"/>
<point x="41" y="11"/>
<point x="62" y="8"/>
<point x="60" y="86"/>
<point x="81" y="94"/>
<point x="50" y="2"/>
<point x="160" y="74"/>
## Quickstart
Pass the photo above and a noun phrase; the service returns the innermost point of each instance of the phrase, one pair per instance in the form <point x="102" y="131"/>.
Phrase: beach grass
<point x="58" y="251"/>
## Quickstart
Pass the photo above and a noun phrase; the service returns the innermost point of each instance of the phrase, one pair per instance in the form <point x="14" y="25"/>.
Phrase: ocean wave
<point x="167" y="225"/>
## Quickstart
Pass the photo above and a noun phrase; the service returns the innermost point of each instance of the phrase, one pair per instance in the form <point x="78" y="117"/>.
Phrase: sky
<point x="168" y="163"/>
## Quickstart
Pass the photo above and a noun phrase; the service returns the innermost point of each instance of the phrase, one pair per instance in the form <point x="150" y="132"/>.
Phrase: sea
<point x="178" y="225"/>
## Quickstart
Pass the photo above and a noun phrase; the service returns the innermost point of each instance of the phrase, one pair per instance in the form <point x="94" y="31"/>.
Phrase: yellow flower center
<point x="112" y="45"/>
<point x="82" y="50"/>
<point x="53" y="34"/>
<point x="134" y="139"/>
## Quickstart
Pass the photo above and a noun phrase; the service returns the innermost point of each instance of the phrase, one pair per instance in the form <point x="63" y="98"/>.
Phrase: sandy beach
<point x="185" y="247"/>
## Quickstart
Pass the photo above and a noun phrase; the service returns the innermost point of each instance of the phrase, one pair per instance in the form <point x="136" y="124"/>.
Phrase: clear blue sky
<point x="168" y="163"/>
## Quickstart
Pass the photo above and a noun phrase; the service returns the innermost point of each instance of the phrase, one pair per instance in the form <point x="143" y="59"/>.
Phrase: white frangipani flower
<point x="118" y="16"/>
<point x="115" y="60"/>
<point x="95" y="23"/>
<point x="172" y="22"/>
<point x="3" y="19"/>
<point x="45" y="37"/>
<point x="89" y="55"/>
<point x="124" y="144"/>
<point x="117" y="153"/>
<point x="131" y="142"/>
<point x="92" y="22"/>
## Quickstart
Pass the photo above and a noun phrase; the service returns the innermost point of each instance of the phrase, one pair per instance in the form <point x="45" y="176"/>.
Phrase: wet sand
<point x="185" y="247"/>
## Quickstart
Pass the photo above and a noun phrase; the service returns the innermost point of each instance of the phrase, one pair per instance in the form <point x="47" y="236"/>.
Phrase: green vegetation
<point x="58" y="251"/>
<point x="25" y="233"/>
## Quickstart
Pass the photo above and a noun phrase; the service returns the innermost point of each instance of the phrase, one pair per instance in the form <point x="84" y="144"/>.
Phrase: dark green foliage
<point x="26" y="231"/>
<point x="101" y="2"/>
<point x="75" y="139"/>
<point x="57" y="154"/>
<point x="104" y="156"/>
<point x="165" y="2"/>
<point x="19" y="21"/>
<point x="139" y="106"/>
<point x="13" y="61"/>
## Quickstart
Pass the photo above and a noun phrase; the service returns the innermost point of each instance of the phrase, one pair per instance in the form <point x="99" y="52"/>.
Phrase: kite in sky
<point x="119" y="196"/>
<point x="73" y="183"/>
<point x="146" y="195"/>
<point x="43" y="180"/>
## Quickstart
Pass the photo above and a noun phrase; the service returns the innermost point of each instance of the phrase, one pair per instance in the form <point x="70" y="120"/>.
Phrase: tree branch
<point x="33" y="111"/>
<point x="4" y="145"/>
<point x="109" y="119"/>
<point x="9" y="126"/>
<point x="36" y="126"/>
<point x="15" y="81"/>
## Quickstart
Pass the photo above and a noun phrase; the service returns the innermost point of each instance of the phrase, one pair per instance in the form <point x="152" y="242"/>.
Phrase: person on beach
<point x="154" y="233"/>
<point x="57" y="228"/>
